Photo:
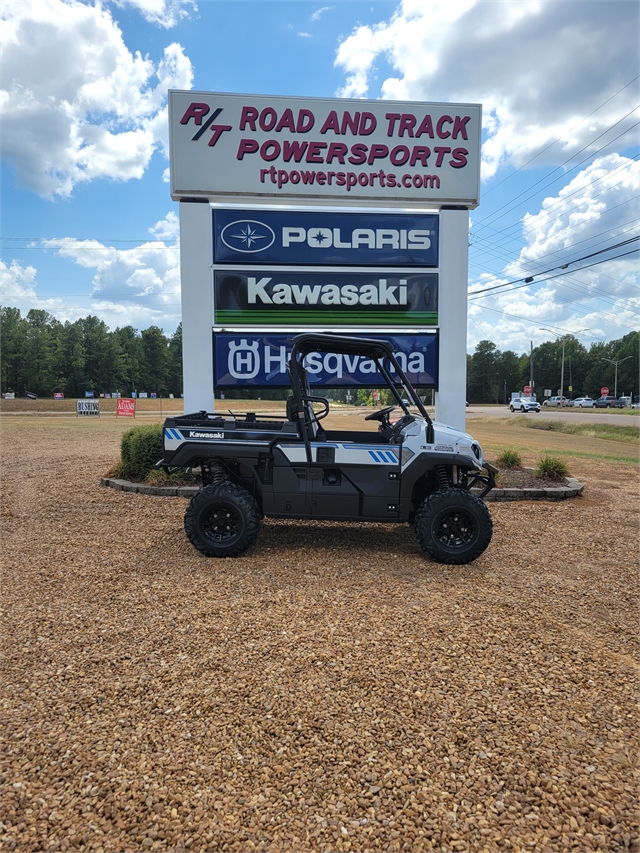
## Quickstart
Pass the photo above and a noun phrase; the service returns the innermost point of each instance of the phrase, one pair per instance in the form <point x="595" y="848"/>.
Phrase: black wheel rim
<point x="454" y="528"/>
<point x="222" y="523"/>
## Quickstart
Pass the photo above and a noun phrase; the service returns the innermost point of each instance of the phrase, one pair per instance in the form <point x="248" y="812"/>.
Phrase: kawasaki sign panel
<point x="319" y="238"/>
<point x="328" y="298"/>
<point x="377" y="153"/>
<point x="260" y="361"/>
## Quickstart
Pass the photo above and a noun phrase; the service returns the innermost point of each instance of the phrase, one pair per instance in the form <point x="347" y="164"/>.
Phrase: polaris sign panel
<point x="382" y="153"/>
<point x="328" y="298"/>
<point x="260" y="361"/>
<point x="325" y="238"/>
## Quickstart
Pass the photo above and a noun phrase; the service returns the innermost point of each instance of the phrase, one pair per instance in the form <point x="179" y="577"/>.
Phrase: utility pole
<point x="533" y="395"/>
<point x="619" y="361"/>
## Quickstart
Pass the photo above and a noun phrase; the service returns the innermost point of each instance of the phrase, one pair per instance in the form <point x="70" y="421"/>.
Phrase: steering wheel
<point x="382" y="415"/>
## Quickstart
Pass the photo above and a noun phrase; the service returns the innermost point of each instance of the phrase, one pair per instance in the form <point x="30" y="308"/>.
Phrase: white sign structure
<point x="255" y="152"/>
<point x="375" y="153"/>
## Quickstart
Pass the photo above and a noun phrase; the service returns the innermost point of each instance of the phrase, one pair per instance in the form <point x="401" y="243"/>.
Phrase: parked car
<point x="609" y="403"/>
<point x="557" y="401"/>
<point x="583" y="403"/>
<point x="524" y="404"/>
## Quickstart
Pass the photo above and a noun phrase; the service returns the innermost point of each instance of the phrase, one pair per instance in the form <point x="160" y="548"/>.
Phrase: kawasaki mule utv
<point x="411" y="470"/>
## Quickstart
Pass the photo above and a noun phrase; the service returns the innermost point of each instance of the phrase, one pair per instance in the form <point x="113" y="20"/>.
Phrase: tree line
<point x="492" y="375"/>
<point x="44" y="356"/>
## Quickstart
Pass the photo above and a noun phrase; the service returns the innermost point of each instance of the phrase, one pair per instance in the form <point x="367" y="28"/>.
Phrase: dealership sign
<point x="323" y="237"/>
<point x="260" y="361"/>
<point x="381" y="153"/>
<point x="328" y="297"/>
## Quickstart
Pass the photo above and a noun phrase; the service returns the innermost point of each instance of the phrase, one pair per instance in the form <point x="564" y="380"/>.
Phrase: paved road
<point x="599" y="416"/>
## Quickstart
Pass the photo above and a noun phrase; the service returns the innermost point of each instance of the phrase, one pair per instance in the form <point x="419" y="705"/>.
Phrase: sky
<point x="88" y="224"/>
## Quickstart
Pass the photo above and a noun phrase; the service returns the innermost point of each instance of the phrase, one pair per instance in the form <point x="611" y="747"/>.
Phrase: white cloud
<point x="598" y="208"/>
<point x="18" y="290"/>
<point x="17" y="283"/>
<point x="140" y="286"/>
<point x="77" y="104"/>
<point x="147" y="275"/>
<point x="305" y="35"/>
<point x="166" y="13"/>
<point x="319" y="12"/>
<point x="539" y="67"/>
<point x="167" y="228"/>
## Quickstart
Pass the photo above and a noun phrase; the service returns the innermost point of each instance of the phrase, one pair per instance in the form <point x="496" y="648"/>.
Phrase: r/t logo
<point x="244" y="359"/>
<point x="197" y="112"/>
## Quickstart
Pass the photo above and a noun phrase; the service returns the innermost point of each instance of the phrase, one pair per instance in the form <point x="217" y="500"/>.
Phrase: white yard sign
<point x="372" y="153"/>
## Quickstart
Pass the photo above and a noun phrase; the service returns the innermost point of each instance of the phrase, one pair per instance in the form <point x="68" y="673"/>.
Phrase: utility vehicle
<point x="410" y="471"/>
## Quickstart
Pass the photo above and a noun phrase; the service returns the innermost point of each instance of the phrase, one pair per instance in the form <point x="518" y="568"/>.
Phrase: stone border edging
<point x="571" y="489"/>
<point x="142" y="489"/>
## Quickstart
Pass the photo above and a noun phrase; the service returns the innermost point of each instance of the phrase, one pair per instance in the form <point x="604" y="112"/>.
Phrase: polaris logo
<point x="381" y="293"/>
<point x="359" y="238"/>
<point x="194" y="434"/>
<point x="247" y="236"/>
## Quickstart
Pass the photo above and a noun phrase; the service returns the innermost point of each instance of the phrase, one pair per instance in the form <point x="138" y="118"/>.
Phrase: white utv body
<point x="410" y="471"/>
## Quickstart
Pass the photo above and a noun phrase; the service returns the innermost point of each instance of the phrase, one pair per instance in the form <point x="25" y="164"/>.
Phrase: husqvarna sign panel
<point x="329" y="297"/>
<point x="260" y="361"/>
<point x="325" y="238"/>
<point x="380" y="153"/>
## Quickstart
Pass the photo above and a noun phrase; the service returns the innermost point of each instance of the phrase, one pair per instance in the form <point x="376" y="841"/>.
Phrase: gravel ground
<point x="332" y="690"/>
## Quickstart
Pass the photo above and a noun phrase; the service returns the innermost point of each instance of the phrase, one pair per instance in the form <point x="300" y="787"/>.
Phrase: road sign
<point x="604" y="392"/>
<point x="527" y="390"/>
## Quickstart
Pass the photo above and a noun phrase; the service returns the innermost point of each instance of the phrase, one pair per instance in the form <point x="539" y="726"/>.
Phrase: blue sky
<point x="88" y="225"/>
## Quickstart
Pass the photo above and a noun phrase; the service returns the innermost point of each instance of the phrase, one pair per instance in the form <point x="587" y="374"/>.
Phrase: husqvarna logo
<point x="244" y="359"/>
<point x="247" y="235"/>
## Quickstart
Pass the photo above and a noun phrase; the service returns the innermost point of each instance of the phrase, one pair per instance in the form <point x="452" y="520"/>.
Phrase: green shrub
<point x="140" y="449"/>
<point x="509" y="459"/>
<point x="552" y="468"/>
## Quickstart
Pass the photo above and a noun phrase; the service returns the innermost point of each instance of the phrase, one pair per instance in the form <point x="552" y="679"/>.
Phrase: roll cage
<point x="300" y="404"/>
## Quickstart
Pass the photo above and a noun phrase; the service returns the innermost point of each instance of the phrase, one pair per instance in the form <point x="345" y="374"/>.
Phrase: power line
<point x="560" y="138"/>
<point x="481" y="294"/>
<point x="530" y="278"/>
<point x="566" y="200"/>
<point x="483" y="223"/>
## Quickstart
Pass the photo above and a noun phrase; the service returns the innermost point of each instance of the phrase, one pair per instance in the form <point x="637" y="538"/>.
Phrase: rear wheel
<point x="222" y="520"/>
<point x="512" y="409"/>
<point x="453" y="526"/>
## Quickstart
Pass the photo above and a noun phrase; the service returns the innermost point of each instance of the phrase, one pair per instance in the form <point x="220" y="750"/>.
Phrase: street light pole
<point x="563" y="339"/>
<point x="616" y="363"/>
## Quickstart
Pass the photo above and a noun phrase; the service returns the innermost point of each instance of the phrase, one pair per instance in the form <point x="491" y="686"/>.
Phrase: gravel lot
<point x="332" y="690"/>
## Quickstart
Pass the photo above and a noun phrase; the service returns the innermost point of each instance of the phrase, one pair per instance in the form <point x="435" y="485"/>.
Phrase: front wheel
<point x="522" y="409"/>
<point x="453" y="526"/>
<point x="222" y="520"/>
